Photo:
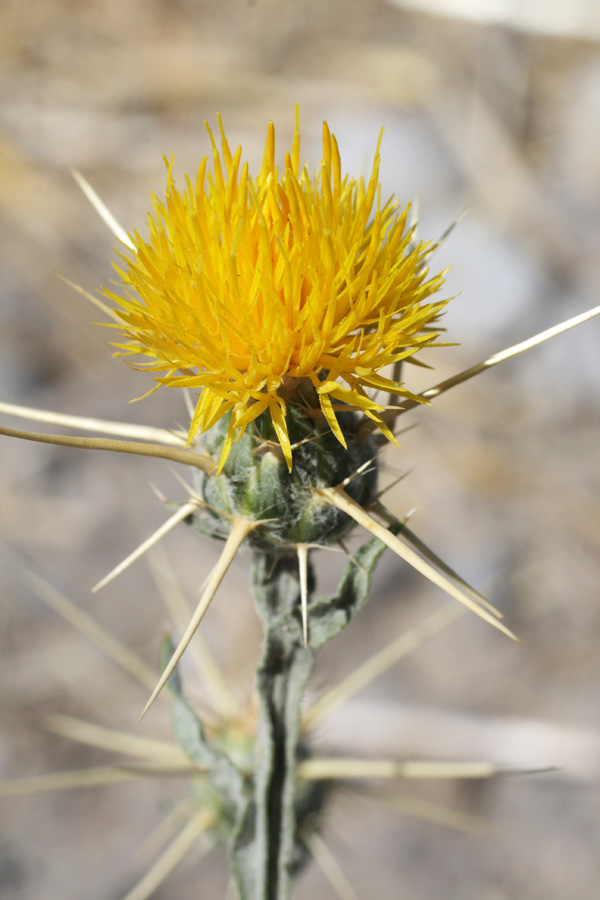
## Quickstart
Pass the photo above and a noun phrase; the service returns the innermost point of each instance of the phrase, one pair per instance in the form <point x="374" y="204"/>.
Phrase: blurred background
<point x="493" y="106"/>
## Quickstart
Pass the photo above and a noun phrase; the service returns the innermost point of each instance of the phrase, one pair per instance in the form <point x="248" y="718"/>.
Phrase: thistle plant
<point x="290" y="306"/>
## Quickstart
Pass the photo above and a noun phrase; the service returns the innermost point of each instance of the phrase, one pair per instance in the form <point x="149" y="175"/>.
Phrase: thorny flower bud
<point x="255" y="483"/>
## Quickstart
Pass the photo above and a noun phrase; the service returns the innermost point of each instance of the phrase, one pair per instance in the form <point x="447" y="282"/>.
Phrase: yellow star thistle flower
<point x="247" y="285"/>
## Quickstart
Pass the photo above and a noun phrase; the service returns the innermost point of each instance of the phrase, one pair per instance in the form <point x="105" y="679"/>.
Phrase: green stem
<point x="263" y="810"/>
<point x="281" y="681"/>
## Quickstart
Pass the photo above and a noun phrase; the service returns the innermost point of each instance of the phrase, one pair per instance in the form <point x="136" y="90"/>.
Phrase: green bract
<point x="255" y="482"/>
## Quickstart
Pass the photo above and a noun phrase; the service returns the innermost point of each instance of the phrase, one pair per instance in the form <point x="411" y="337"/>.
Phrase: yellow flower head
<point x="246" y="285"/>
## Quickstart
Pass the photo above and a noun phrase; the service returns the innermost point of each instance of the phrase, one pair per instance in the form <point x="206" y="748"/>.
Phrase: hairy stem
<point x="281" y="681"/>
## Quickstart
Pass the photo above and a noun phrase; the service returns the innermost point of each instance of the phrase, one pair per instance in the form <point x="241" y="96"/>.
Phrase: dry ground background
<point x="505" y="472"/>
